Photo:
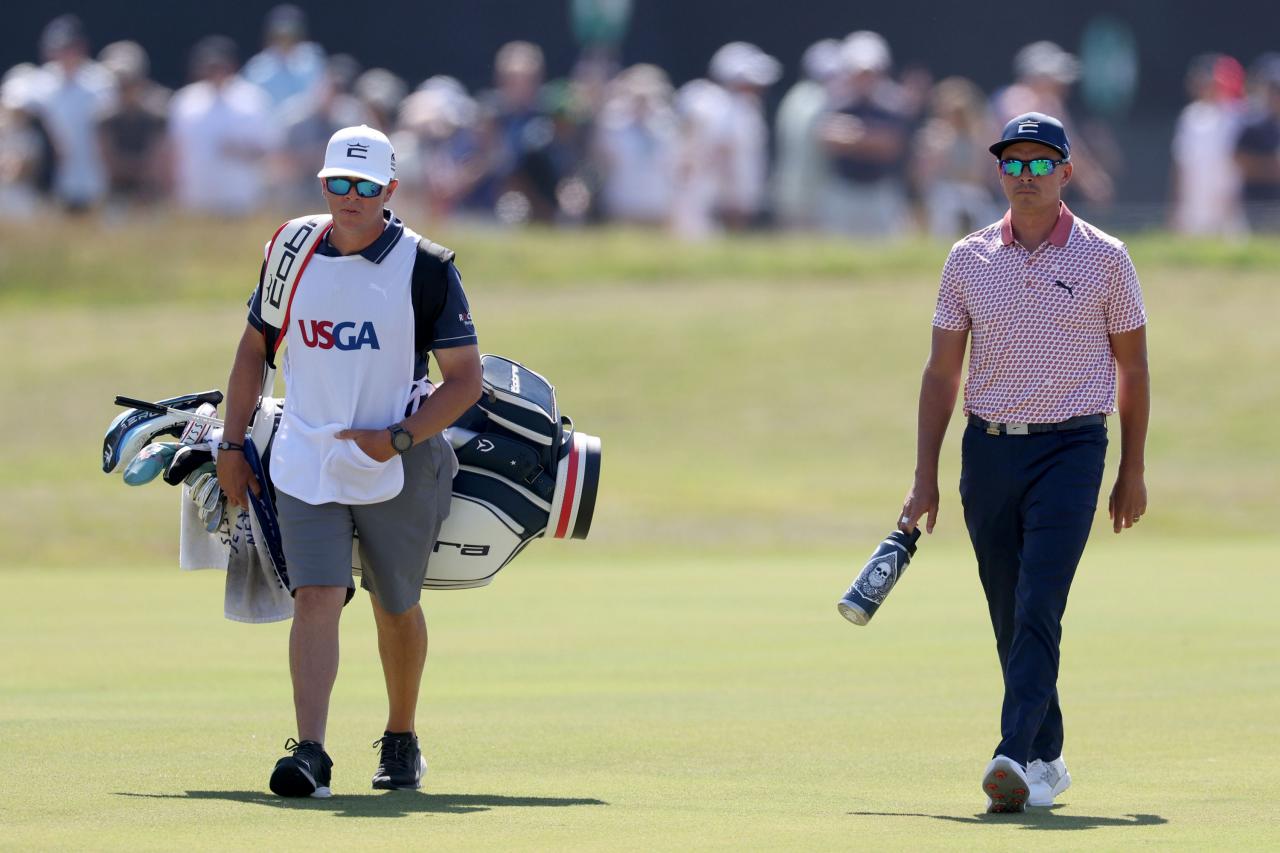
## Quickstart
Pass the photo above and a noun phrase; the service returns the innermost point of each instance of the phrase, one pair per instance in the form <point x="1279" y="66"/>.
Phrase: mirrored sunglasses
<point x="1039" y="168"/>
<point x="342" y="186"/>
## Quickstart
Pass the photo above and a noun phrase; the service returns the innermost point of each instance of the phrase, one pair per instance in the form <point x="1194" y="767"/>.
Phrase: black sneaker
<point x="304" y="773"/>
<point x="401" y="764"/>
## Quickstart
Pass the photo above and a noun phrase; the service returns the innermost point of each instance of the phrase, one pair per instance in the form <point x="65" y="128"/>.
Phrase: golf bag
<point x="523" y="472"/>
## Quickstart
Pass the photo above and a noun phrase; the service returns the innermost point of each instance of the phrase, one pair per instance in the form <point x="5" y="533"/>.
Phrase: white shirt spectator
<point x="639" y="150"/>
<point x="220" y="138"/>
<point x="1204" y="143"/>
<point x="745" y="138"/>
<point x="701" y="106"/>
<point x="803" y="168"/>
<point x="70" y="106"/>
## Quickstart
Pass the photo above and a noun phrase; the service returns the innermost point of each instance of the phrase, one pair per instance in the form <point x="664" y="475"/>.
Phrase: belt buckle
<point x="1015" y="429"/>
<point x="993" y="428"/>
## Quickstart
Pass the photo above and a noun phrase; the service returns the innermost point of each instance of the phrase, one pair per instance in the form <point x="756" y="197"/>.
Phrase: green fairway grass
<point x="681" y="680"/>
<point x="648" y="701"/>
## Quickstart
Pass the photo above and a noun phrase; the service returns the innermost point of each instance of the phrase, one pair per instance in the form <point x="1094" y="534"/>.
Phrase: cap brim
<point x="342" y="172"/>
<point x="999" y="147"/>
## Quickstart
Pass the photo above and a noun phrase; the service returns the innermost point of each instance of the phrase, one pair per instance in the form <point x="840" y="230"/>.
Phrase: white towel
<point x="253" y="592"/>
<point x="198" y="548"/>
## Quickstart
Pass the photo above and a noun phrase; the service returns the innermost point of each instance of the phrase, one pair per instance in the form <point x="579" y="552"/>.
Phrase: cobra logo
<point x="326" y="334"/>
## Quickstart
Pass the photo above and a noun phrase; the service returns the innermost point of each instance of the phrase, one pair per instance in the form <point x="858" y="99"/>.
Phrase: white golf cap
<point x="1046" y="59"/>
<point x="822" y="60"/>
<point x="742" y="62"/>
<point x="360" y="152"/>
<point x="865" y="50"/>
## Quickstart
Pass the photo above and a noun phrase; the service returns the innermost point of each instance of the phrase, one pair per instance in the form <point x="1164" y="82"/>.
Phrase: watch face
<point x="401" y="440"/>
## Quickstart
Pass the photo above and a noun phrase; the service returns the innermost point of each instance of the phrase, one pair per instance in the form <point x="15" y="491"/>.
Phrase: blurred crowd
<point x="856" y="147"/>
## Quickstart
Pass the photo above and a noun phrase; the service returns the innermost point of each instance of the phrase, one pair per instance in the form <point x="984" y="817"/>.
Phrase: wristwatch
<point x="401" y="438"/>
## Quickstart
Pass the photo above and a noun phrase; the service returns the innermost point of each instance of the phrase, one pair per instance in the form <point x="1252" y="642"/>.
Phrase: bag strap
<point x="291" y="250"/>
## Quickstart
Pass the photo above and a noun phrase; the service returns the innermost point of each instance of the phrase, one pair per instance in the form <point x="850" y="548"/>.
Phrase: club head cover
<point x="185" y="461"/>
<point x="149" y="463"/>
<point x="134" y="429"/>
<point x="197" y="431"/>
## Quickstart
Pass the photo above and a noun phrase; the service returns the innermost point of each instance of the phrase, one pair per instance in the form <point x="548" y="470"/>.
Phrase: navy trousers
<point x="1029" y="502"/>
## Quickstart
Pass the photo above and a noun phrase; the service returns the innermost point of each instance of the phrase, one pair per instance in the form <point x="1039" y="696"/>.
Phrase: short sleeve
<point x="950" y="312"/>
<point x="454" y="327"/>
<point x="1125" y="311"/>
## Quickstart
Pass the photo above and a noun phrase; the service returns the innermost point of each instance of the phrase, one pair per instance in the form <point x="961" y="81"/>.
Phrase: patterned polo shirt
<point x="1039" y="321"/>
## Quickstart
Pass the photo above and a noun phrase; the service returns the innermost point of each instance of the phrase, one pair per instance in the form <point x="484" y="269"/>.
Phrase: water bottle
<point x="876" y="580"/>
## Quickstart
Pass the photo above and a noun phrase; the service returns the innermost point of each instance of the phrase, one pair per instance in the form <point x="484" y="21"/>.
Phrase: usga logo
<point x="327" y="334"/>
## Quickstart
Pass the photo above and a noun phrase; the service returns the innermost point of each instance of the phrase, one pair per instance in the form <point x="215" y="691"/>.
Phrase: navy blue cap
<point x="1034" y="127"/>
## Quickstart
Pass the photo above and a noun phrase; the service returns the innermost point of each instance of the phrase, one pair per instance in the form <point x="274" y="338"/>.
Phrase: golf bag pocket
<point x="513" y="460"/>
<point x="520" y="401"/>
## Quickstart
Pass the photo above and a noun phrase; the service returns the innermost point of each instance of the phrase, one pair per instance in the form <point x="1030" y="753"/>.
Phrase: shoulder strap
<point x="291" y="250"/>
<point x="430" y="289"/>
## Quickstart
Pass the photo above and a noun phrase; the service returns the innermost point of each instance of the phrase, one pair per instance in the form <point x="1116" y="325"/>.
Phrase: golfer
<point x="1054" y="313"/>
<point x="348" y="456"/>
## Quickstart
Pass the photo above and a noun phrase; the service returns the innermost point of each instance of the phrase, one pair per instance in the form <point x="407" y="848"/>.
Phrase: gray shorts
<point x="396" y="536"/>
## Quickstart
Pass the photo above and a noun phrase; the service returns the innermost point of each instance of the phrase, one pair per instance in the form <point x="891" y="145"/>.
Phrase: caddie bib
<point x="348" y="363"/>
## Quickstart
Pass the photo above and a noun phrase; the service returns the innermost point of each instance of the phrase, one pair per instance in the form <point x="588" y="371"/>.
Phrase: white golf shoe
<point x="1006" y="785"/>
<point x="1048" y="780"/>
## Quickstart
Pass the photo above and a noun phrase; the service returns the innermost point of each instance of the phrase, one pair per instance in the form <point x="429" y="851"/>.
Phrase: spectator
<point x="1045" y="73"/>
<point x="23" y="145"/>
<point x="745" y="72"/>
<point x="866" y="133"/>
<point x="637" y="141"/>
<point x="70" y="94"/>
<point x="702" y="160"/>
<point x="438" y="148"/>
<point x="132" y="133"/>
<point x="310" y="118"/>
<point x="803" y="167"/>
<point x="1205" y="179"/>
<point x="221" y="130"/>
<point x="520" y="135"/>
<point x="1258" y="149"/>
<point x="381" y="92"/>
<point x="288" y="64"/>
<point x="950" y="162"/>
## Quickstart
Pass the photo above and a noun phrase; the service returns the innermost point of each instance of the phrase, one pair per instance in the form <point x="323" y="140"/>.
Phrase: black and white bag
<point x="524" y="472"/>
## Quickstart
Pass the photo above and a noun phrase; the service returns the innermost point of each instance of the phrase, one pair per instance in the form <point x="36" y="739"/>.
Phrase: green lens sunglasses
<point x="1039" y="168"/>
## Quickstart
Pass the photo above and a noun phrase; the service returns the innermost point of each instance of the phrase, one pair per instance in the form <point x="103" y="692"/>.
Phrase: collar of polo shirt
<point x="1059" y="236"/>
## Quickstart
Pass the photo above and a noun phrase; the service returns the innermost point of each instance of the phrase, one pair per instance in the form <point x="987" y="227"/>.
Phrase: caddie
<point x="360" y="300"/>
<point x="1052" y="311"/>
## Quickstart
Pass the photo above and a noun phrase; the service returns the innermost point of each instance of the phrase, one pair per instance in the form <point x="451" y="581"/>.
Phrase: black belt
<point x="1023" y="429"/>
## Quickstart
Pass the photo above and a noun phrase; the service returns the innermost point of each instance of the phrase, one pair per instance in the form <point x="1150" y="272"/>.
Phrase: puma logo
<point x="1067" y="287"/>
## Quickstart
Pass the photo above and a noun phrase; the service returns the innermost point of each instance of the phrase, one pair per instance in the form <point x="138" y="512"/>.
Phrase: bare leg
<point x="313" y="655"/>
<point x="402" y="644"/>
